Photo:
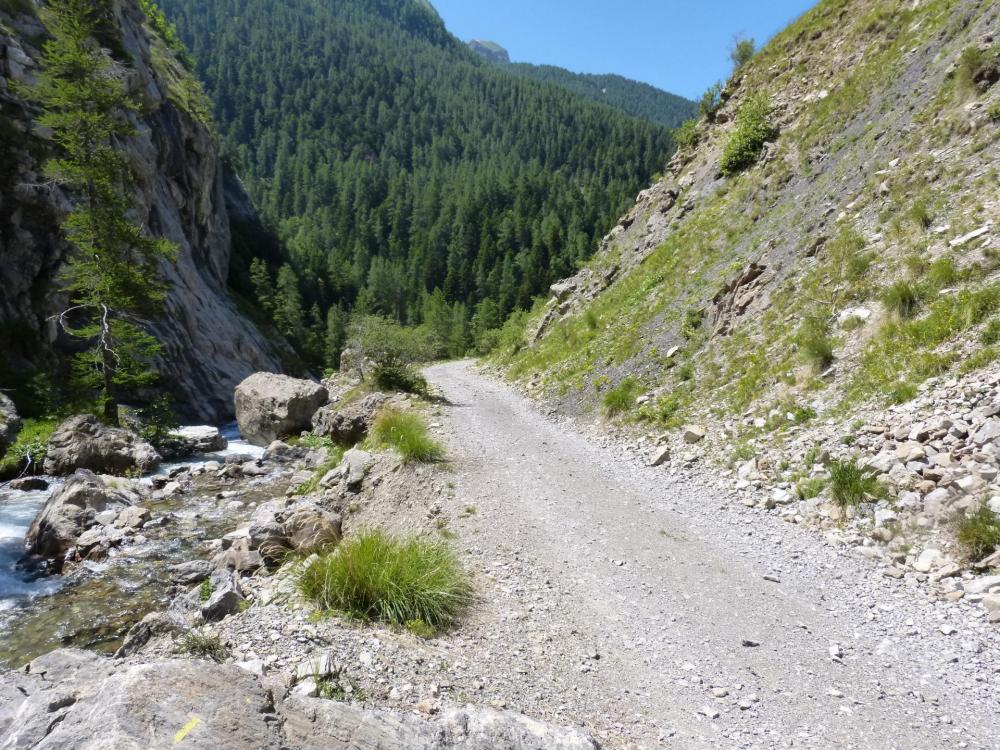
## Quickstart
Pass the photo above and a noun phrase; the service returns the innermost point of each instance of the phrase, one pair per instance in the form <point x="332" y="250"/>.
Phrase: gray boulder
<point x="10" y="423"/>
<point x="84" y="442"/>
<point x="192" y="441"/>
<point x="278" y="528"/>
<point x="269" y="406"/>
<point x="315" y="724"/>
<point x="348" y="424"/>
<point x="70" y="512"/>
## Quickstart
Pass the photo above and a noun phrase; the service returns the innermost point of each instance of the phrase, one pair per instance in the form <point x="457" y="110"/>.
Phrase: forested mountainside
<point x="825" y="237"/>
<point x="165" y="183"/>
<point x="632" y="97"/>
<point x="407" y="176"/>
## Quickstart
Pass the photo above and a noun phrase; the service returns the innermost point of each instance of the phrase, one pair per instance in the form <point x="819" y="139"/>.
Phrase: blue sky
<point x="678" y="45"/>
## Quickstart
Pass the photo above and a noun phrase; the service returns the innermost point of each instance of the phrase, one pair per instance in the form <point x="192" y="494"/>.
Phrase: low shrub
<point x="977" y="69"/>
<point x="979" y="533"/>
<point x="851" y="483"/>
<point x="902" y="299"/>
<point x="686" y="136"/>
<point x="374" y="576"/>
<point x="621" y="398"/>
<point x="753" y="130"/>
<point x="406" y="432"/>
<point x="395" y="376"/>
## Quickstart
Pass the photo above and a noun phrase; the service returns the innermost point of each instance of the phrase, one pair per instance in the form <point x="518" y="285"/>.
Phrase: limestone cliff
<point x="209" y="346"/>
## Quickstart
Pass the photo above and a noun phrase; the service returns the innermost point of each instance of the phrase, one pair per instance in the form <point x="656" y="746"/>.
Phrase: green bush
<point x="711" y="101"/>
<point x="27" y="454"/>
<point x="374" y="576"/>
<point x="405" y="431"/>
<point x="742" y="52"/>
<point x="621" y="398"/>
<point x="979" y="533"/>
<point x="686" y="135"/>
<point x="902" y="299"/>
<point x="815" y="343"/>
<point x="851" y="483"/>
<point x="753" y="130"/>
<point x="393" y="349"/>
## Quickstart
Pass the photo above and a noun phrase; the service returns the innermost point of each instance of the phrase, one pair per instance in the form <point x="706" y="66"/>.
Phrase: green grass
<point x="979" y="533"/>
<point x="621" y="398"/>
<point x="902" y="299"/>
<point x="406" y="432"/>
<point x="205" y="591"/>
<point x="378" y="577"/>
<point x="28" y="451"/>
<point x="807" y="489"/>
<point x="990" y="334"/>
<point x="204" y="646"/>
<point x="851" y="483"/>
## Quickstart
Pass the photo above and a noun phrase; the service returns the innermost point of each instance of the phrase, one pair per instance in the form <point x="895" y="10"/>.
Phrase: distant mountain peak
<point x="490" y="50"/>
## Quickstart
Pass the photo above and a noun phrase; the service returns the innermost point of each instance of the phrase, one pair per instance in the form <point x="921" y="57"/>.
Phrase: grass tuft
<point x="406" y="432"/>
<point x="374" y="576"/>
<point x="815" y="342"/>
<point x="204" y="646"/>
<point x="979" y="533"/>
<point x="621" y="398"/>
<point x="902" y="299"/>
<point x="851" y="483"/>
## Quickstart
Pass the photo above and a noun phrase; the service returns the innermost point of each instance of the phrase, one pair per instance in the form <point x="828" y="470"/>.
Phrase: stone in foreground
<point x="270" y="407"/>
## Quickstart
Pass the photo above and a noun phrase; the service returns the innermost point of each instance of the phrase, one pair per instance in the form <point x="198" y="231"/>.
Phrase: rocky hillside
<point x="208" y="345"/>
<point x="855" y="259"/>
<point x="817" y="276"/>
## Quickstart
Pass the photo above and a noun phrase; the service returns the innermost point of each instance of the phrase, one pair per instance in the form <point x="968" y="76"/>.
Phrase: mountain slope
<point x="490" y="51"/>
<point x="839" y="255"/>
<point x="208" y="345"/>
<point x="395" y="162"/>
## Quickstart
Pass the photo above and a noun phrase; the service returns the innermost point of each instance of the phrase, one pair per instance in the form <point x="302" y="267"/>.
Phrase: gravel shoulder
<point x="652" y="608"/>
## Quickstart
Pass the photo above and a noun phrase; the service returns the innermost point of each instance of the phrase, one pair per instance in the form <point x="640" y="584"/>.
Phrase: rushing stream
<point x="93" y="605"/>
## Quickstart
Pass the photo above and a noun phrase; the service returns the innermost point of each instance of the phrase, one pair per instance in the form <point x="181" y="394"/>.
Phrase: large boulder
<point x="270" y="406"/>
<point x="350" y="423"/>
<point x="84" y="442"/>
<point x="71" y="511"/>
<point x="10" y="423"/>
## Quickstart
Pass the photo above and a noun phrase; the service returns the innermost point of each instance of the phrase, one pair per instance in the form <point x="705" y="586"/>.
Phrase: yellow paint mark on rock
<point x="186" y="729"/>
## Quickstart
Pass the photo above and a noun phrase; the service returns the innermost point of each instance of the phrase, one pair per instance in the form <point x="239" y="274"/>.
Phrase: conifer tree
<point x="113" y="274"/>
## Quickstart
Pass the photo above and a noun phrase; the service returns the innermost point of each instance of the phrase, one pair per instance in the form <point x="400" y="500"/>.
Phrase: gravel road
<point x="652" y="608"/>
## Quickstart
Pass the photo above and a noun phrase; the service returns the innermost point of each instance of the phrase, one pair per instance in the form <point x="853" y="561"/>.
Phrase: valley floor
<point x="653" y="609"/>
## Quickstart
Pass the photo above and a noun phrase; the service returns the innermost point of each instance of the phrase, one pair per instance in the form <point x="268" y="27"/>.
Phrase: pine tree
<point x="112" y="276"/>
<point x="336" y="335"/>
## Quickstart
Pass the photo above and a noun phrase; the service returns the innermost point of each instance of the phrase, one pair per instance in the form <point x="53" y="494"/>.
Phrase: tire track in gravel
<point x="695" y="648"/>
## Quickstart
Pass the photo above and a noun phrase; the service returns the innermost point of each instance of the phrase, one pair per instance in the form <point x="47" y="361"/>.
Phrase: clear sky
<point x="681" y="46"/>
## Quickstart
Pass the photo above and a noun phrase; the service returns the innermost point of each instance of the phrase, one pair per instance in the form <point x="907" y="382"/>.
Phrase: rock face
<point x="180" y="192"/>
<point x="348" y="424"/>
<point x="76" y="699"/>
<point x="10" y="423"/>
<point x="83" y="442"/>
<point x="269" y="406"/>
<point x="70" y="513"/>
